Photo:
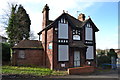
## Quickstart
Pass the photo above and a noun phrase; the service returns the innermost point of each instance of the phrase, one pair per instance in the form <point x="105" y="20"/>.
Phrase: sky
<point x="103" y="13"/>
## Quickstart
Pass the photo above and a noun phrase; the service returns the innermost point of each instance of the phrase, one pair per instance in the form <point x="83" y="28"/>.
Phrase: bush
<point x="103" y="60"/>
<point x="5" y="52"/>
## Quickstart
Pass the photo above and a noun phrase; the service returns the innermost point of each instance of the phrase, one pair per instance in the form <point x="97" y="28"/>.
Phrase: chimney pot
<point x="45" y="16"/>
<point x="81" y="17"/>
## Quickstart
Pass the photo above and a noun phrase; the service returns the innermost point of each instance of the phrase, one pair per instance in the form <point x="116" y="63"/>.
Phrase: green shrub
<point x="5" y="52"/>
<point x="102" y="58"/>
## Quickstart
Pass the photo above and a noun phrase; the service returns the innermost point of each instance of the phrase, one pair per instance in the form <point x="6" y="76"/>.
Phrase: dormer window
<point x="76" y="34"/>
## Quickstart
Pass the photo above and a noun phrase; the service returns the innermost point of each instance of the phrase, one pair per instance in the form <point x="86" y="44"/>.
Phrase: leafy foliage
<point x="5" y="51"/>
<point x="112" y="53"/>
<point x="19" y="25"/>
<point x="23" y="23"/>
<point x="102" y="58"/>
<point x="12" y="27"/>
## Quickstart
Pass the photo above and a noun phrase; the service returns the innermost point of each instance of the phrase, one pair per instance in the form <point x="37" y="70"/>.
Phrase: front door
<point x="76" y="58"/>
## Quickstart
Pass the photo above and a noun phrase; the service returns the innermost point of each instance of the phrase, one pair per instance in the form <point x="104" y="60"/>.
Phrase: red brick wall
<point x="44" y="47"/>
<point x="49" y="54"/>
<point x="81" y="70"/>
<point x="32" y="57"/>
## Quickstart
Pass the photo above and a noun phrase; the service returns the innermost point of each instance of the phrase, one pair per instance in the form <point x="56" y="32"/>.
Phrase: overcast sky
<point x="103" y="13"/>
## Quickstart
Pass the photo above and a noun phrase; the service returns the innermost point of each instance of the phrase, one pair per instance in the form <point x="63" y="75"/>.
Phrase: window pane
<point x="62" y="30"/>
<point x="63" y="53"/>
<point x="76" y="37"/>
<point x="88" y="33"/>
<point x="21" y="54"/>
<point x="89" y="53"/>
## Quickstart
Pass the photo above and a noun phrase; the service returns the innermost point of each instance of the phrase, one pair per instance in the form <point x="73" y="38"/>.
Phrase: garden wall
<point x="81" y="70"/>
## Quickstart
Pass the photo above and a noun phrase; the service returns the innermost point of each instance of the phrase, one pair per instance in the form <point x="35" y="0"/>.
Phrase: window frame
<point x="76" y="32"/>
<point x="88" y="29"/>
<point x="21" y="54"/>
<point x="62" y="53"/>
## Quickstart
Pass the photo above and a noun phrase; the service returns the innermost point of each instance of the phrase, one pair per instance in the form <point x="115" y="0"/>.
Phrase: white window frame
<point x="76" y="37"/>
<point x="63" y="53"/>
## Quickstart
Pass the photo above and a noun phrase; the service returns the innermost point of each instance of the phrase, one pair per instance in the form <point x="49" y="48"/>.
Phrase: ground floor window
<point x="63" y="53"/>
<point x="90" y="53"/>
<point x="21" y="54"/>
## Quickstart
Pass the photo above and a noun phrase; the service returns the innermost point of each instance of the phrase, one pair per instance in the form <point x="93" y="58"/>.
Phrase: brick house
<point x="28" y="52"/>
<point x="67" y="41"/>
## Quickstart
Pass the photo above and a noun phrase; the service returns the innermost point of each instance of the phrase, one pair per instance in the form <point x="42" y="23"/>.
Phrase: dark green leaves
<point x="18" y="25"/>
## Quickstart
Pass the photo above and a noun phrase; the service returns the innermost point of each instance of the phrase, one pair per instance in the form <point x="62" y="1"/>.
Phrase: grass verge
<point x="34" y="71"/>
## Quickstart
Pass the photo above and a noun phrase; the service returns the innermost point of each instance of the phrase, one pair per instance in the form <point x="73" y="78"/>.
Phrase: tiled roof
<point x="79" y="44"/>
<point x="29" y="44"/>
<point x="73" y="21"/>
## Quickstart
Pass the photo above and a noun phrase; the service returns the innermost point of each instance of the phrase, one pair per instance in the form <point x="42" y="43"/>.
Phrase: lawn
<point x="34" y="71"/>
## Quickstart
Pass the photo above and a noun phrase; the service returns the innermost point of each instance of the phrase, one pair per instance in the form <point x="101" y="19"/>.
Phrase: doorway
<point x="76" y="58"/>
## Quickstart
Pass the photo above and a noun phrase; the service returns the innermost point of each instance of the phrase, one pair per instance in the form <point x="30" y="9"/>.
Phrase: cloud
<point x="34" y="9"/>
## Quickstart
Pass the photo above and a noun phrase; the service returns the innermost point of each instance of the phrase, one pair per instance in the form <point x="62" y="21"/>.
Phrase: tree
<point x="112" y="53"/>
<point x="5" y="52"/>
<point x="12" y="26"/>
<point x="18" y="25"/>
<point x="4" y="18"/>
<point x="113" y="56"/>
<point x="102" y="58"/>
<point x="23" y="23"/>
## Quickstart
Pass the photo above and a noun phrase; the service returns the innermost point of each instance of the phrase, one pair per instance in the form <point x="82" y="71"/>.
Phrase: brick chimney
<point x="81" y="17"/>
<point x="45" y="16"/>
<point x="44" y="33"/>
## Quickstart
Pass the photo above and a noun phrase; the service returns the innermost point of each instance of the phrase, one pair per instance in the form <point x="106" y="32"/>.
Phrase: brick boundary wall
<point x="81" y="70"/>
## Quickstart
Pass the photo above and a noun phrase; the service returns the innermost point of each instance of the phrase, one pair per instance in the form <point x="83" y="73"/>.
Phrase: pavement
<point x="109" y="75"/>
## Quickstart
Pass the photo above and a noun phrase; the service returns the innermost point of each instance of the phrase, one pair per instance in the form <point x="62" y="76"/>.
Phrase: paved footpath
<point x="111" y="75"/>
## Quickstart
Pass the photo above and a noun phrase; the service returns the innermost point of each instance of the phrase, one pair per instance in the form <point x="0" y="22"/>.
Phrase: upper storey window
<point x="63" y="29"/>
<point x="76" y="34"/>
<point x="88" y="32"/>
